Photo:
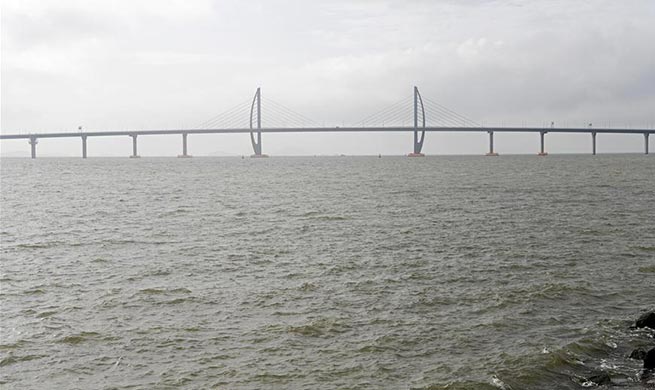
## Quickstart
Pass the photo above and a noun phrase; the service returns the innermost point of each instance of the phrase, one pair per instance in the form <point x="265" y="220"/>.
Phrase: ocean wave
<point x="319" y="328"/>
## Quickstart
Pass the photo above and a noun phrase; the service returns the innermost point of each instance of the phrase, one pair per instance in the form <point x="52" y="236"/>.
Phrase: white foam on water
<point x="499" y="383"/>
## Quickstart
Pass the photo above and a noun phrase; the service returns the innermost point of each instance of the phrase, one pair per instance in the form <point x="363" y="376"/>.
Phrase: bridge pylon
<point x="256" y="109"/>
<point x="418" y="142"/>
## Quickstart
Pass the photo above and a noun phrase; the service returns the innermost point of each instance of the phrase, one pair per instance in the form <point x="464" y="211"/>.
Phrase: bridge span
<point x="256" y="130"/>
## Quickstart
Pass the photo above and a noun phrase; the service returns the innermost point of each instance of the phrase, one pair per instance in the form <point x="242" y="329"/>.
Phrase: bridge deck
<point x="326" y="130"/>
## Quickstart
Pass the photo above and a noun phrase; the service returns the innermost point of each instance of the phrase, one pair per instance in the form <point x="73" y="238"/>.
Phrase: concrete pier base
<point x="416" y="155"/>
<point x="542" y="154"/>
<point x="259" y="156"/>
<point x="184" y="156"/>
<point x="492" y="154"/>
<point x="133" y="156"/>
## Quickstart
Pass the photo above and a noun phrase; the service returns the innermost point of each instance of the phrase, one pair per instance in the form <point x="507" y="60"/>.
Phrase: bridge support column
<point x="593" y="143"/>
<point x="134" y="152"/>
<point x="491" y="144"/>
<point x="646" y="142"/>
<point x="84" y="146"/>
<point x="33" y="141"/>
<point x="542" y="151"/>
<point x="184" y="149"/>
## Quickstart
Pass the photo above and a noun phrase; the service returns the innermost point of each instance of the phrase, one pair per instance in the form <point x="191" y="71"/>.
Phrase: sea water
<point x="511" y="272"/>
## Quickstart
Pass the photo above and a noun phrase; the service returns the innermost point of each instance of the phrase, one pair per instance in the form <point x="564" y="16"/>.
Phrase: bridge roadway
<point x="33" y="137"/>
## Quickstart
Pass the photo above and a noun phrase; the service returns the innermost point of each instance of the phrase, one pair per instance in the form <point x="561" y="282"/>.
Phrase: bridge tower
<point x="256" y="109"/>
<point x="418" y="143"/>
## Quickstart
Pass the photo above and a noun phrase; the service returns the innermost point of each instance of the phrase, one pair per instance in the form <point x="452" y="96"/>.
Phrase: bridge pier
<point x="84" y="146"/>
<point x="491" y="144"/>
<point x="542" y="151"/>
<point x="33" y="141"/>
<point x="646" y="142"/>
<point x="593" y="143"/>
<point x="184" y="148"/>
<point x="134" y="152"/>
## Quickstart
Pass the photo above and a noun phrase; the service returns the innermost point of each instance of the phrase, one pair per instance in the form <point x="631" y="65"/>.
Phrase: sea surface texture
<point x="511" y="272"/>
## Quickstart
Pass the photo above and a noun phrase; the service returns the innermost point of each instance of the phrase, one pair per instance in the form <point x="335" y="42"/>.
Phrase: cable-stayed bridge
<point x="415" y="114"/>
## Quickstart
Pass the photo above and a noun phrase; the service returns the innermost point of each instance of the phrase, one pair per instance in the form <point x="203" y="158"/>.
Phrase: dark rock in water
<point x="649" y="360"/>
<point x="638" y="354"/>
<point x="646" y="320"/>
<point x="647" y="379"/>
<point x="600" y="379"/>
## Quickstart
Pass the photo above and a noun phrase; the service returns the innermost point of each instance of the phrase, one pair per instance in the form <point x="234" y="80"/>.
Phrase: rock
<point x="638" y="354"/>
<point x="600" y="379"/>
<point x="647" y="379"/>
<point x="646" y="320"/>
<point x="649" y="359"/>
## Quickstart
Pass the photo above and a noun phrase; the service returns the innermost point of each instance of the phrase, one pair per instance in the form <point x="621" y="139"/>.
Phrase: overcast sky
<point x="147" y="64"/>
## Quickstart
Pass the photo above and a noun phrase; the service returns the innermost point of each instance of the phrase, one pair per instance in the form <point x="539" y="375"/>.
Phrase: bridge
<point x="416" y="113"/>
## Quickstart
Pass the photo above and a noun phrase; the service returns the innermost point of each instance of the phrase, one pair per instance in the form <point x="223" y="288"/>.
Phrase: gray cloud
<point x="167" y="64"/>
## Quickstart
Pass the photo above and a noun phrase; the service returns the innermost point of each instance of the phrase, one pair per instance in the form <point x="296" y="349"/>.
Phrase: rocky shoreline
<point x="646" y="320"/>
<point x="647" y="355"/>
